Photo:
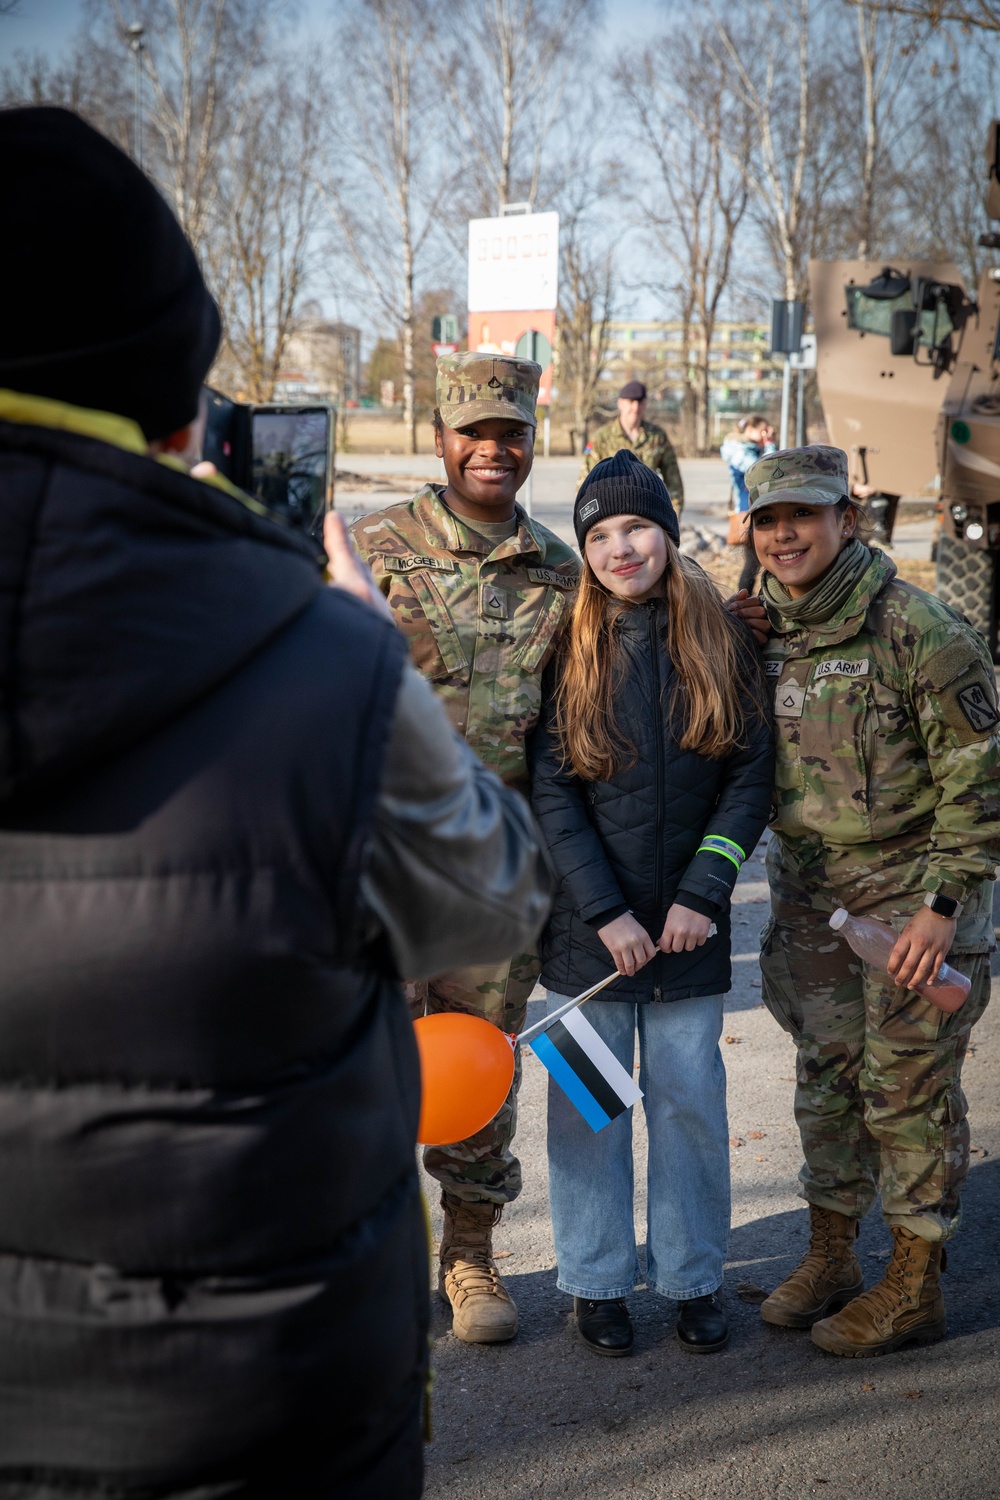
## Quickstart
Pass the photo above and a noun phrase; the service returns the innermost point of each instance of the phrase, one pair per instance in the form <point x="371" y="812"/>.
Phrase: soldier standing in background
<point x="647" y="441"/>
<point x="481" y="593"/>
<point x="887" y="802"/>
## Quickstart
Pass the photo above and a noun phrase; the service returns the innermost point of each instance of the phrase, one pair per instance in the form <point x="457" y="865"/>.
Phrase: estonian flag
<point x="586" y="1069"/>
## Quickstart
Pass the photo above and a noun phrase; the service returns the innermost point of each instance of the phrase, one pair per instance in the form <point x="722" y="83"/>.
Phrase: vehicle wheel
<point x="966" y="581"/>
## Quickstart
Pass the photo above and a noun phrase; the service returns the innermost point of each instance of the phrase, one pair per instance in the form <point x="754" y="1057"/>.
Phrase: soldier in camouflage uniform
<point x="887" y="803"/>
<point x="482" y="592"/>
<point x="647" y="441"/>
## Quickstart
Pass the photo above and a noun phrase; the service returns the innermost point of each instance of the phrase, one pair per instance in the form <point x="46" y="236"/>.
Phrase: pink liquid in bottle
<point x="873" y="941"/>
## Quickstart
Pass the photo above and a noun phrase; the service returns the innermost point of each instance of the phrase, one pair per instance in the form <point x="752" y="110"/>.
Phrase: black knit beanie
<point x="622" y="485"/>
<point x="103" y="302"/>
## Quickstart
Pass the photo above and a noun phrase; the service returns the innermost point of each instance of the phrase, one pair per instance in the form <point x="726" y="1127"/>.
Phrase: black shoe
<point x="702" y="1326"/>
<point x="605" y="1327"/>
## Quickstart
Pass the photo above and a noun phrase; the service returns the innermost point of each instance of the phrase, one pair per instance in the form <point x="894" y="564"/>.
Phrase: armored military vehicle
<point x="908" y="366"/>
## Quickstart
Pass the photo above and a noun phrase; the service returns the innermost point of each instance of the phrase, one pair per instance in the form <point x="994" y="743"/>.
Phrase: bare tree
<point x="382" y="200"/>
<point x="886" y="45"/>
<point x="981" y="15"/>
<point x="787" y="85"/>
<point x="267" y="210"/>
<point x="693" y="198"/>
<point x="505" y="79"/>
<point x="583" y="321"/>
<point x="201" y="60"/>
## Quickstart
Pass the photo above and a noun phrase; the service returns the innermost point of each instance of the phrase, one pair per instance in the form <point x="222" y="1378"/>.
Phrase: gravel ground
<point x="771" y="1416"/>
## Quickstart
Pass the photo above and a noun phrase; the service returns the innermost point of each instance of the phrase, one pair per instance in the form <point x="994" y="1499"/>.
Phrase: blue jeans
<point x="591" y="1175"/>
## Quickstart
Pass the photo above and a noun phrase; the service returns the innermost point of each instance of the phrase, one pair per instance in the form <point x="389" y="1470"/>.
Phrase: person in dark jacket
<point x="651" y="780"/>
<point x="230" y="815"/>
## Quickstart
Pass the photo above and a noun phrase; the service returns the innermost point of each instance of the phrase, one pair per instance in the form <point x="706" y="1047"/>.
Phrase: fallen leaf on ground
<point x="731" y="1040"/>
<point x="750" y="1292"/>
<point x="756" y="1135"/>
<point x="760" y="1158"/>
<point x="502" y="1254"/>
<point x="978" y="1151"/>
<point x="866" y="1385"/>
<point x="913" y="1395"/>
<point x="735" y="1140"/>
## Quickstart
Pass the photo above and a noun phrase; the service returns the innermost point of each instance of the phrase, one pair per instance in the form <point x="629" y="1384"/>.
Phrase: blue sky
<point x="46" y="25"/>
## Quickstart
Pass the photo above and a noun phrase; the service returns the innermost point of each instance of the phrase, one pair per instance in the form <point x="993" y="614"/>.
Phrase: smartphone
<point x="282" y="455"/>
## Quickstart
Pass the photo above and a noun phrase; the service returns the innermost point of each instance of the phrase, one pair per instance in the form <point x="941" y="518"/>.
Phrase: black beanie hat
<point x="622" y="485"/>
<point x="103" y="302"/>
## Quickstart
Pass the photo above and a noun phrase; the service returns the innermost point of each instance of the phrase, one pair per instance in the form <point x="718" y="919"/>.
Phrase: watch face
<point x="944" y="906"/>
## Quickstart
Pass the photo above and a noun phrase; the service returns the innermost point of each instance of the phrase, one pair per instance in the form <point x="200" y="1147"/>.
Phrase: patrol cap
<point x="473" y="387"/>
<point x="816" y="475"/>
<point x="632" y="390"/>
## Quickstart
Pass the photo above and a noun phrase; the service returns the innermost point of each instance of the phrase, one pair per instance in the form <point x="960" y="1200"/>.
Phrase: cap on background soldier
<point x="887" y="802"/>
<point x="647" y="441"/>
<point x="482" y="592"/>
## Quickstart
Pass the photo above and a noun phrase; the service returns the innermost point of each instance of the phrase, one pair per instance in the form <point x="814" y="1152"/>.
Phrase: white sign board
<point x="806" y="357"/>
<point x="514" y="263"/>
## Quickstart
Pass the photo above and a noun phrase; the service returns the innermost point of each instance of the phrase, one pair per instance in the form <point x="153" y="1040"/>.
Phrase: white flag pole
<point x="546" y="1021"/>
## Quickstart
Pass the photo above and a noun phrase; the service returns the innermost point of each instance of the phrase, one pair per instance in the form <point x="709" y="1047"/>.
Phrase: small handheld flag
<point x="585" y="1069"/>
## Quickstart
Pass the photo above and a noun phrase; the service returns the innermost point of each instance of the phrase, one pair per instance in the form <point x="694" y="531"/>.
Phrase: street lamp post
<point x="135" y="35"/>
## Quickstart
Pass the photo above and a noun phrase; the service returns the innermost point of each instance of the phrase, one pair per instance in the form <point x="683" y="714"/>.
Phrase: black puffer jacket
<point x="632" y="843"/>
<point x="213" y="1271"/>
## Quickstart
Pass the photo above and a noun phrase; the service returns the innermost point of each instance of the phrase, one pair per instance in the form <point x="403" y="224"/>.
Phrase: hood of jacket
<point x="128" y="591"/>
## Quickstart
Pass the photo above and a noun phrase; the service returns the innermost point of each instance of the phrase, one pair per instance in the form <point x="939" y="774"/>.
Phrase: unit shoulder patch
<point x="978" y="706"/>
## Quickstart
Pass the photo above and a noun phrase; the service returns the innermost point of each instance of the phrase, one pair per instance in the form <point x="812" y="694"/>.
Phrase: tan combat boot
<point x="906" y="1307"/>
<point x="828" y="1275"/>
<point x="482" y="1311"/>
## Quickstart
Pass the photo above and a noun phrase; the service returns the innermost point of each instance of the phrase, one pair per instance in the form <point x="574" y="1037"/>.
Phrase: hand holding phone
<point x="346" y="569"/>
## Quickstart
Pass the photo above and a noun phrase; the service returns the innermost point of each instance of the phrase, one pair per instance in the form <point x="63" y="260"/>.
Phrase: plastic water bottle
<point x="873" y="941"/>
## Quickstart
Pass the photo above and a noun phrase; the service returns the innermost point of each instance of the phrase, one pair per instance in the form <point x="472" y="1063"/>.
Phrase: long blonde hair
<point x="710" y="660"/>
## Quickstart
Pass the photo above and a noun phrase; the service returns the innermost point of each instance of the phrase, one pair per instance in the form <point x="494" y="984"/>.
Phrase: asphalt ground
<point x="771" y="1417"/>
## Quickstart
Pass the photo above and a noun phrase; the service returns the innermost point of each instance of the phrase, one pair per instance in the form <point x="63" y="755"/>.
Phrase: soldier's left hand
<point x="921" y="948"/>
<point x="748" y="608"/>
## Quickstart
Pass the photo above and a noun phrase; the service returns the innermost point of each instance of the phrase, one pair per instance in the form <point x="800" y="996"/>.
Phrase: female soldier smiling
<point x="887" y="802"/>
<point x="481" y="591"/>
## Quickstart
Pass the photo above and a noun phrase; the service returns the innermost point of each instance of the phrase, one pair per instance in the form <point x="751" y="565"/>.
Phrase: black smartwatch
<point x="942" y="906"/>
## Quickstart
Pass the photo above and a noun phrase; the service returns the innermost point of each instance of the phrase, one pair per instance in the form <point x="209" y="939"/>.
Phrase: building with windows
<point x="743" y="375"/>
<point x="322" y="362"/>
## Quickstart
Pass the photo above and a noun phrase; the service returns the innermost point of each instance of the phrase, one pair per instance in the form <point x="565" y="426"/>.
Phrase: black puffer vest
<point x="212" y="1253"/>
<point x="637" y="840"/>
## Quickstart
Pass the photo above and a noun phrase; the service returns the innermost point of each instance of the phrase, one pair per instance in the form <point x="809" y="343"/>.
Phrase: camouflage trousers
<point x="483" y="1168"/>
<point x="878" y="1098"/>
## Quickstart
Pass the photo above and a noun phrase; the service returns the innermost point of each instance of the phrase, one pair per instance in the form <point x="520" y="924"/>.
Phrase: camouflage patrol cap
<point x="473" y="387"/>
<point x="815" y="475"/>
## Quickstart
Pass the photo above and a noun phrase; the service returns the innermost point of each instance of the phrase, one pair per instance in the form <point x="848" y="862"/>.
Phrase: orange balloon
<point x="466" y="1070"/>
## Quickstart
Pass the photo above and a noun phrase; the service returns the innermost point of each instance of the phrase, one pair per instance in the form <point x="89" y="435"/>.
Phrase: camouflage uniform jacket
<point x="888" y="752"/>
<point x="482" y="621"/>
<point x="653" y="447"/>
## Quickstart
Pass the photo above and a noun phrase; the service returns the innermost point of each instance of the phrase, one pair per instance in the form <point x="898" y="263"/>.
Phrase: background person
<point x="651" y="781"/>
<point x="481" y="593"/>
<point x="229" y="811"/>
<point x="887" y="803"/>
<point x="751" y="438"/>
<point x="631" y="431"/>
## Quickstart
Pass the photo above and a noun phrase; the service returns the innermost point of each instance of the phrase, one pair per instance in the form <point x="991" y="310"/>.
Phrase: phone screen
<point x="289" y="468"/>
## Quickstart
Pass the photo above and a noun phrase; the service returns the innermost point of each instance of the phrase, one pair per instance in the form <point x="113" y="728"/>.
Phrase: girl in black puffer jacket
<point x="651" y="779"/>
